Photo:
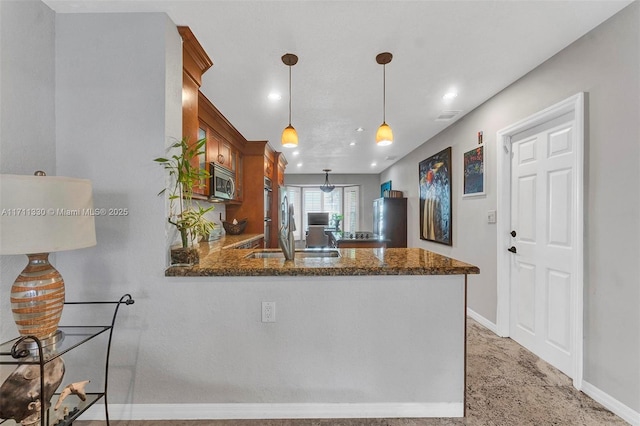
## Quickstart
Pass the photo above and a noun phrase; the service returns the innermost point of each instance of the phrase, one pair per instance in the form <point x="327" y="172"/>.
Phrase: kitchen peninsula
<point x="374" y="332"/>
<point x="219" y="261"/>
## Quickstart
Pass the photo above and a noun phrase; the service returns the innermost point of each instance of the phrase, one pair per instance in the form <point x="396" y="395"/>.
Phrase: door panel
<point x="525" y="293"/>
<point x="560" y="211"/>
<point x="560" y="142"/>
<point x="528" y="149"/>
<point x="526" y="222"/>
<point x="558" y="308"/>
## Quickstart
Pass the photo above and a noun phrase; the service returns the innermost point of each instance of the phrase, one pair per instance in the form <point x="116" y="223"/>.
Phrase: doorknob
<point x="513" y="233"/>
<point x="512" y="249"/>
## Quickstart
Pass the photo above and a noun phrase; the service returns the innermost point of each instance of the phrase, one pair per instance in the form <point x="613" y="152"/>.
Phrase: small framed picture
<point x="473" y="172"/>
<point x="385" y="188"/>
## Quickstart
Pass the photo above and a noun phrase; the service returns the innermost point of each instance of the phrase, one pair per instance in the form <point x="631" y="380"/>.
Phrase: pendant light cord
<point x="289" y="95"/>
<point x="384" y="93"/>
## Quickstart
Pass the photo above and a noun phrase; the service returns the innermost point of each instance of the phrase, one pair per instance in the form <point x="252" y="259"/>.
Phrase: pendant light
<point x="289" y="134"/>
<point x="326" y="186"/>
<point x="384" y="135"/>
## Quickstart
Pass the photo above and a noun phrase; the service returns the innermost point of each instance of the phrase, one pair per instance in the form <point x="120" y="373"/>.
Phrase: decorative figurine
<point x="76" y="388"/>
<point x="20" y="393"/>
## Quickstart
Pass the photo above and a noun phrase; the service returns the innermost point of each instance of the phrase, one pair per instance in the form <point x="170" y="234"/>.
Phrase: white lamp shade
<point x="44" y="214"/>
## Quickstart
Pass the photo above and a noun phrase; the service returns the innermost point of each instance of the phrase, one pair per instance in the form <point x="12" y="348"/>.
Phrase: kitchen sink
<point x="301" y="254"/>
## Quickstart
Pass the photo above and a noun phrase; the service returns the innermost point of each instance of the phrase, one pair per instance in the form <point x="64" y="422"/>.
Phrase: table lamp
<point x="39" y="215"/>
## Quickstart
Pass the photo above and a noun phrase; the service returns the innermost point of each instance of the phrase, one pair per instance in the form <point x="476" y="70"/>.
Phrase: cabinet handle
<point x="513" y="233"/>
<point x="220" y="158"/>
<point x="512" y="249"/>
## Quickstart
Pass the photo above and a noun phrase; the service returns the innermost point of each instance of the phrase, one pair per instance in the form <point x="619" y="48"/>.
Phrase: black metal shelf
<point x="13" y="352"/>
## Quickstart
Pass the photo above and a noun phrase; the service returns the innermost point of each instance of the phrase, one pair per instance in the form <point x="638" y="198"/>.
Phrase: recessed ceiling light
<point x="374" y="164"/>
<point x="273" y="96"/>
<point x="299" y="164"/>
<point x="294" y="153"/>
<point x="360" y="129"/>
<point x="352" y="144"/>
<point x="449" y="95"/>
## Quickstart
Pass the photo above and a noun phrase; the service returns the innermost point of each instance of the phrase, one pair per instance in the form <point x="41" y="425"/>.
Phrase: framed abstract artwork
<point x="473" y="172"/>
<point x="434" y="177"/>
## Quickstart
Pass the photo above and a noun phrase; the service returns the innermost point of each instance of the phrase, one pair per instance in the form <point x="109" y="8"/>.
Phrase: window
<point x="351" y="220"/>
<point x="317" y="201"/>
<point x="343" y="201"/>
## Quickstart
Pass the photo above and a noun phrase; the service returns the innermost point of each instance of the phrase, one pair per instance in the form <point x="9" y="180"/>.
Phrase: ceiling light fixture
<point x="449" y="95"/>
<point x="326" y="186"/>
<point x="289" y="134"/>
<point x="273" y="96"/>
<point x="384" y="135"/>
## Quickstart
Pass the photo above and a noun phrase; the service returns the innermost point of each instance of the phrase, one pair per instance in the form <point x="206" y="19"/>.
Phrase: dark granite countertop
<point x="357" y="236"/>
<point x="352" y="261"/>
<point x="227" y="242"/>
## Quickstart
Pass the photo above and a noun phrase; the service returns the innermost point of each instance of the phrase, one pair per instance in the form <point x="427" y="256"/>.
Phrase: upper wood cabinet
<point x="225" y="143"/>
<point x="250" y="162"/>
<point x="195" y="62"/>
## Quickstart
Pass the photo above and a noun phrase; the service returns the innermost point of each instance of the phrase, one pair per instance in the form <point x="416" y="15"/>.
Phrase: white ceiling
<point x="474" y="47"/>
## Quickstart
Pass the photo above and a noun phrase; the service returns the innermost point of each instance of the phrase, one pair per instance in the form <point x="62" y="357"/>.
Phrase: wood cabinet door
<point x="239" y="169"/>
<point x="212" y="143"/>
<point x="203" y="189"/>
<point x="224" y="157"/>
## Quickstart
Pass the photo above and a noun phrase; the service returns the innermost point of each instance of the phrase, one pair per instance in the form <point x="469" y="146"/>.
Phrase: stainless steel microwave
<point x="223" y="184"/>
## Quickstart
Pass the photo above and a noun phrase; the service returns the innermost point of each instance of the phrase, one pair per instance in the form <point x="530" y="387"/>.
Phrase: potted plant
<point x="336" y="218"/>
<point x="187" y="216"/>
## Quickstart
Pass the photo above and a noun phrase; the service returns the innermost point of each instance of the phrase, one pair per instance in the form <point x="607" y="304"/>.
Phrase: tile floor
<point x="506" y="386"/>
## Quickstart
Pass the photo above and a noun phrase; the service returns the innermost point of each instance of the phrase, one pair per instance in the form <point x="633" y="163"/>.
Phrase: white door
<point x="543" y="241"/>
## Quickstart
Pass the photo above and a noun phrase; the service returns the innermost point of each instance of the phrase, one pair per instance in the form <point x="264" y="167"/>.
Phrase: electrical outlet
<point x="268" y="311"/>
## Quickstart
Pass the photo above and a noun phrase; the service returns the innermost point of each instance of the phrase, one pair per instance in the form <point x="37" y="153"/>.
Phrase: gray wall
<point x="604" y="64"/>
<point x="369" y="190"/>
<point x="117" y="107"/>
<point x="27" y="116"/>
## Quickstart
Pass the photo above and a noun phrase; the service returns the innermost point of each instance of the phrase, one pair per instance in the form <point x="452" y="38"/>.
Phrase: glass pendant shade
<point x="326" y="186"/>
<point x="384" y="135"/>
<point x="289" y="137"/>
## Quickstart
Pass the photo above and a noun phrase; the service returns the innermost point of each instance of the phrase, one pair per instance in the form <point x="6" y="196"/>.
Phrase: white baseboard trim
<point x="626" y="413"/>
<point x="273" y="411"/>
<point x="482" y="320"/>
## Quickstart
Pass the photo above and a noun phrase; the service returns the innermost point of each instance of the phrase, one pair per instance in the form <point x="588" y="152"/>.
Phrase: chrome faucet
<point x="286" y="238"/>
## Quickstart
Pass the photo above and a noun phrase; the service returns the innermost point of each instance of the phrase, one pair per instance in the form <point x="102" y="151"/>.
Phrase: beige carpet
<point x="506" y="386"/>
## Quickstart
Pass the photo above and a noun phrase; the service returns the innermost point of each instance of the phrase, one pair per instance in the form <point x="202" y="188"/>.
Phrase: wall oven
<point x="222" y="183"/>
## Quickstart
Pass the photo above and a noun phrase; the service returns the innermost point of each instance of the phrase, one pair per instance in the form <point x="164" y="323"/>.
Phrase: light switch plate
<point x="491" y="216"/>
